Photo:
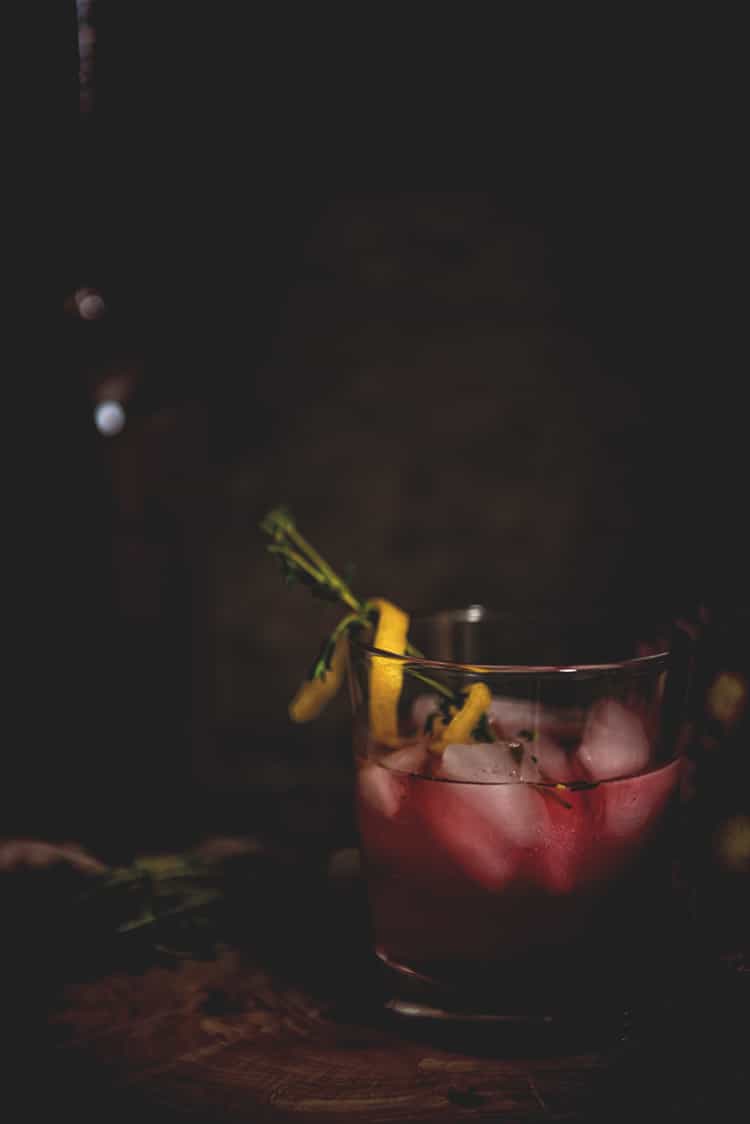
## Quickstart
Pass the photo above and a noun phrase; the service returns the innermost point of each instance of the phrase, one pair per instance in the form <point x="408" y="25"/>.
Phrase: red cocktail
<point x="527" y="870"/>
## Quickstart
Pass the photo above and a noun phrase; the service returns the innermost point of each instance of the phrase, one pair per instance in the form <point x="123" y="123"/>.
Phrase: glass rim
<point x="473" y="614"/>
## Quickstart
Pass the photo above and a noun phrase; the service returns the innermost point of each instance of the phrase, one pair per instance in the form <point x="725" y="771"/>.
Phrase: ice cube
<point x="379" y="790"/>
<point x="552" y="762"/>
<point x="541" y="731"/>
<point x="488" y="763"/>
<point x="411" y="758"/>
<point x="530" y="720"/>
<point x="380" y="785"/>
<point x="511" y="715"/>
<point x="614" y="742"/>
<point x="523" y="753"/>
<point x="485" y="831"/>
<point x="520" y="813"/>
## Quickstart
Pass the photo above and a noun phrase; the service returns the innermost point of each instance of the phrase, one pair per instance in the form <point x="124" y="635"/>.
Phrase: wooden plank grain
<point x="278" y="1029"/>
<point x="227" y="1041"/>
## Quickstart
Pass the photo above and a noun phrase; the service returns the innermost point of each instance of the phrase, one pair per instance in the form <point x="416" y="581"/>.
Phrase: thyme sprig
<point x="152" y="889"/>
<point x="302" y="564"/>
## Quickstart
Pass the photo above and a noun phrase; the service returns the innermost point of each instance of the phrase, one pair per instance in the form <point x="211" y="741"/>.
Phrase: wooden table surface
<point x="281" y="1022"/>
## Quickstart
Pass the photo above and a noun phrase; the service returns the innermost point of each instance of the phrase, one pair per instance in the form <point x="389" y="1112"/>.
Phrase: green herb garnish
<point x="483" y="731"/>
<point x="302" y="564"/>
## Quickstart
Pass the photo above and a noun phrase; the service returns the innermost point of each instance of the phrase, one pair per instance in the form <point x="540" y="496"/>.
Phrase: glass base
<point x="428" y="1005"/>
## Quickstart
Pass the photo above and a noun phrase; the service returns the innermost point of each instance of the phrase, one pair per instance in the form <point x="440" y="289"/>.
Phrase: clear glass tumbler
<point x="523" y="873"/>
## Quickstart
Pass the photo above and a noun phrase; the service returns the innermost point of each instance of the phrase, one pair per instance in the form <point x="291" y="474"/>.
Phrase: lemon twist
<point x="387" y="675"/>
<point x="459" y="730"/>
<point x="314" y="694"/>
<point x="301" y="562"/>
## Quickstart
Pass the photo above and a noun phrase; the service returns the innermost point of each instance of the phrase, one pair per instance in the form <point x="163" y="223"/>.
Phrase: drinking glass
<point x="523" y="874"/>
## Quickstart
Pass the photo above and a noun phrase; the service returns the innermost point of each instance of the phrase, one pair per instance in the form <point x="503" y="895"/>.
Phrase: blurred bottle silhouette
<point x="56" y="526"/>
<point x="100" y="690"/>
<point x="140" y="352"/>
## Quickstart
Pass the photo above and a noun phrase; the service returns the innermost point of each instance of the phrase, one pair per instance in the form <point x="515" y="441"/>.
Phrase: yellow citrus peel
<point x="387" y="675"/>
<point x="314" y="694"/>
<point x="458" y="730"/>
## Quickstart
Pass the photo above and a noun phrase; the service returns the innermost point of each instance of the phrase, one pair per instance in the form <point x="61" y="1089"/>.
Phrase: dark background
<point x="526" y="396"/>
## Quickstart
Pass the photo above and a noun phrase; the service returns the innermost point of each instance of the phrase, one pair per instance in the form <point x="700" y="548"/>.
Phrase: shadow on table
<point x="290" y="936"/>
